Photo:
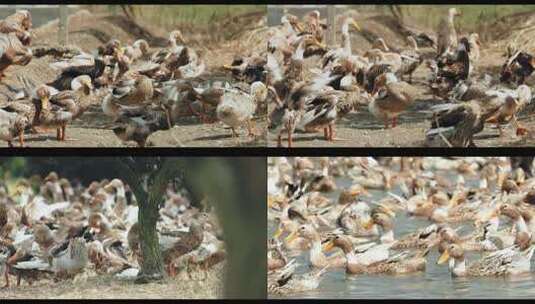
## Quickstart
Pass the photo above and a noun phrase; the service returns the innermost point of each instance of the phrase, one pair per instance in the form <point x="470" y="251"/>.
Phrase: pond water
<point x="435" y="282"/>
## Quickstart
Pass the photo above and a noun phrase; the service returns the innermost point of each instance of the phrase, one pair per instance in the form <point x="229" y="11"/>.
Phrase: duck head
<point x="175" y="37"/>
<point x="452" y="251"/>
<point x="43" y="94"/>
<point x="259" y="91"/>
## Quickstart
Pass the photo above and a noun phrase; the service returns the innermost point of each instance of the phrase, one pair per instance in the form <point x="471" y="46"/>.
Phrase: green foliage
<point x="12" y="166"/>
<point x="472" y="15"/>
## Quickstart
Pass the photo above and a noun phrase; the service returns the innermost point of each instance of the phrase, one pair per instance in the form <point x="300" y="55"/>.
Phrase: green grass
<point x="472" y="17"/>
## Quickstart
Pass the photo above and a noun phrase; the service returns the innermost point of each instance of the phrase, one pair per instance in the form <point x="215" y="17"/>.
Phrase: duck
<point x="248" y="69"/>
<point x="185" y="243"/>
<point x="12" y="52"/>
<point x="511" y="104"/>
<point x="455" y="125"/>
<point x="12" y="125"/>
<point x="518" y="66"/>
<point x="513" y="260"/>
<point x="132" y="91"/>
<point x="410" y="59"/>
<point x="238" y="107"/>
<point x="321" y="112"/>
<point x="446" y="33"/>
<point x="19" y="23"/>
<point x="175" y="44"/>
<point x="285" y="282"/>
<point x="138" y="125"/>
<point x="317" y="257"/>
<point x="344" y="52"/>
<point x="380" y="261"/>
<point x="50" y="115"/>
<point x="391" y="97"/>
<point x="82" y="64"/>
<point x="138" y="50"/>
<point x="276" y="258"/>
<point x="77" y="100"/>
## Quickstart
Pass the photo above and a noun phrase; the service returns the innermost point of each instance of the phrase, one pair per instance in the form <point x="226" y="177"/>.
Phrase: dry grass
<point x="202" y="285"/>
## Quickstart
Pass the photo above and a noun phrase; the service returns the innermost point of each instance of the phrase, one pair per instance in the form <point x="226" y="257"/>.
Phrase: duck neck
<point x="494" y="224"/>
<point x="346" y="41"/>
<point x="459" y="266"/>
<point x="387" y="237"/>
<point x="317" y="257"/>
<point x="451" y="16"/>
<point x="521" y="225"/>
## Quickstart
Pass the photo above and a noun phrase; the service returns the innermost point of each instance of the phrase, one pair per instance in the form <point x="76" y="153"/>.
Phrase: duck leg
<point x="250" y="129"/>
<point x="6" y="276"/>
<point x="386" y="122"/>
<point x="9" y="144"/>
<point x="63" y="128"/>
<point x="279" y="141"/>
<point x="394" y="121"/>
<point x="168" y="117"/>
<point x="326" y="133"/>
<point x="500" y="131"/>
<point x="18" y="279"/>
<point x="58" y="134"/>
<point x="289" y="138"/>
<point x="21" y="138"/>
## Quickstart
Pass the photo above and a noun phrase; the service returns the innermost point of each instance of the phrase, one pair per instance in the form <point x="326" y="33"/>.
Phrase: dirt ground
<point x="361" y="129"/>
<point x="93" y="129"/>
<point x="205" y="285"/>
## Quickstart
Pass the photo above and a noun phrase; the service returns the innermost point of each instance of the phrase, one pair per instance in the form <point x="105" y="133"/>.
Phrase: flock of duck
<point x="493" y="196"/>
<point x="143" y="90"/>
<point x="311" y="97"/>
<point x="52" y="229"/>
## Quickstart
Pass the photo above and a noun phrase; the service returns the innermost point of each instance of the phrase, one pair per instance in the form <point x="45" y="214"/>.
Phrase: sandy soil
<point x="201" y="285"/>
<point x="361" y="129"/>
<point x="93" y="129"/>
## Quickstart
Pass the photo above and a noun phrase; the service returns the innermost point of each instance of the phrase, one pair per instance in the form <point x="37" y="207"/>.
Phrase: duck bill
<point x="356" y="26"/>
<point x="44" y="102"/>
<point x="368" y="225"/>
<point x="270" y="201"/>
<point x="389" y="211"/>
<point x="290" y="238"/>
<point x="327" y="247"/>
<point x="299" y="27"/>
<point x="444" y="257"/>
<point x="278" y="233"/>
<point x="319" y="44"/>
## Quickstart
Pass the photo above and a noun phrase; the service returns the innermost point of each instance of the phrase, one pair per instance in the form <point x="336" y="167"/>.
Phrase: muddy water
<point x="435" y="282"/>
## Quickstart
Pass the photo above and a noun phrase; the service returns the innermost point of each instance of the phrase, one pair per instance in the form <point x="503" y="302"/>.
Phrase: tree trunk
<point x="152" y="266"/>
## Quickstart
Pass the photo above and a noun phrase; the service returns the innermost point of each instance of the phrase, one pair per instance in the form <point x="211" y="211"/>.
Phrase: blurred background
<point x="475" y="18"/>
